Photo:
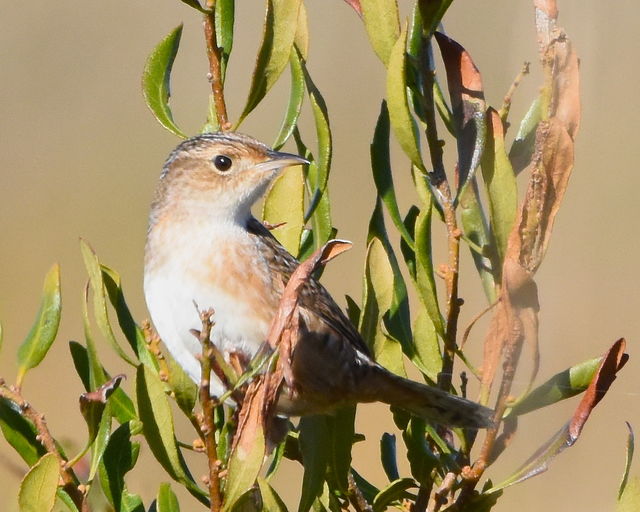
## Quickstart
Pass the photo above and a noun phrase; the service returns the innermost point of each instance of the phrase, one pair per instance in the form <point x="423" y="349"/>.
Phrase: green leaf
<point x="64" y="500"/>
<point x="296" y="98"/>
<point x="368" y="490"/>
<point x="474" y="226"/>
<point x="382" y="22"/>
<point x="342" y="430"/>
<point x="156" y="77"/>
<point x="427" y="347"/>
<point x="270" y="499"/>
<point x="184" y="389"/>
<point x="421" y="458"/>
<point x="119" y="457"/>
<point x="432" y="13"/>
<point x="524" y="142"/>
<point x="563" y="385"/>
<point x="20" y="432"/>
<point x="402" y="122"/>
<point x="313" y="439"/>
<point x="424" y="269"/>
<point x="500" y="183"/>
<point x="157" y="426"/>
<point x="285" y="204"/>
<point x="277" y="40"/>
<point x="37" y="343"/>
<point x="167" y="501"/>
<point x="395" y="492"/>
<point x="94" y="403"/>
<point x="377" y="299"/>
<point x="100" y="300"/>
<point x="244" y="466"/>
<point x="388" y="456"/>
<point x="81" y="363"/>
<point x="132" y="331"/>
<point x="630" y="500"/>
<point x="382" y="175"/>
<point x="629" y="460"/>
<point x="194" y="4"/>
<point x="224" y="20"/>
<point x="38" y="488"/>
<point x="100" y="441"/>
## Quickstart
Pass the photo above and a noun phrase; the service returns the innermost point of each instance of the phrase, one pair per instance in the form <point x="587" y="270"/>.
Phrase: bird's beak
<point x="278" y="160"/>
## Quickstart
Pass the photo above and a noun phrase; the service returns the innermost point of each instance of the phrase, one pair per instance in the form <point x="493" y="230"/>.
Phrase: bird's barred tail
<point x="431" y="403"/>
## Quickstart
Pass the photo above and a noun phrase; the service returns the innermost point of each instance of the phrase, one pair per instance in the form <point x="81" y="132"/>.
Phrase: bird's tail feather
<point x="429" y="402"/>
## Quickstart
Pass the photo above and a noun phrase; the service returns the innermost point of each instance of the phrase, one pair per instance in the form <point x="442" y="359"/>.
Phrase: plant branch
<point x="506" y="103"/>
<point x="208" y="403"/>
<point x="69" y="479"/>
<point x="215" y="69"/>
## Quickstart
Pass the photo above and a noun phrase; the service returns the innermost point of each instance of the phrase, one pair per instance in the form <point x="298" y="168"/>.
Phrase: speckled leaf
<point x="382" y="23"/>
<point x="167" y="501"/>
<point x="277" y="40"/>
<point x="424" y="269"/>
<point x="38" y="488"/>
<point x="382" y="175"/>
<point x="156" y="77"/>
<point x="313" y="440"/>
<point x="37" y="343"/>
<point x="20" y="432"/>
<point x="402" y="122"/>
<point x="500" y="183"/>
<point x="284" y="204"/>
<point x="157" y="421"/>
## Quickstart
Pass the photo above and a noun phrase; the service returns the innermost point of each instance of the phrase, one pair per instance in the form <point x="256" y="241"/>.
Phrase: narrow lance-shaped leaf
<point x="119" y="457"/>
<point x="388" y="456"/>
<point x="296" y="97"/>
<point x="100" y="301"/>
<point x="37" y="343"/>
<point x="432" y="13"/>
<point x="157" y="421"/>
<point x="156" y="78"/>
<point x="167" y="501"/>
<point x="382" y="174"/>
<point x="284" y="208"/>
<point x="382" y="22"/>
<point x="38" y="488"/>
<point x="628" y="461"/>
<point x="402" y="121"/>
<point x="20" y="432"/>
<point x="224" y="20"/>
<point x="561" y="386"/>
<point x="424" y="269"/>
<point x="342" y="430"/>
<point x="270" y="499"/>
<point x="395" y="492"/>
<point x="500" y="183"/>
<point x="630" y="499"/>
<point x="93" y="403"/>
<point x="611" y="363"/>
<point x="524" y="142"/>
<point x="468" y="106"/>
<point x="313" y="440"/>
<point x="278" y="34"/>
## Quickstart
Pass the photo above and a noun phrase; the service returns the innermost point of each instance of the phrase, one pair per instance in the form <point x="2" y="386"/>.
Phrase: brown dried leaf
<point x="356" y="6"/>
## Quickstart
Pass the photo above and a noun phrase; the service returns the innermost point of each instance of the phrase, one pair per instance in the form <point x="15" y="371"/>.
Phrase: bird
<point x="205" y="247"/>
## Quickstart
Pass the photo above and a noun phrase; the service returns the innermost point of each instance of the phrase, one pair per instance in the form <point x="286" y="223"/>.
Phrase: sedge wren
<point x="205" y="247"/>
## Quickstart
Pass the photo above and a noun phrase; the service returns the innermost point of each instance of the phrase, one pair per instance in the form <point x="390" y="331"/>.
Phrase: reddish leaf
<point x="356" y="6"/>
<point x="467" y="103"/>
<point x="612" y="362"/>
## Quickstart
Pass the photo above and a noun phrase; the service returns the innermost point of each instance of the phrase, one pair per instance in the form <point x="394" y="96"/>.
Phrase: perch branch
<point x="215" y="69"/>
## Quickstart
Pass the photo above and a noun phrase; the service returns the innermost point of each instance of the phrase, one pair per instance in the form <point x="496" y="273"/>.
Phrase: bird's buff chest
<point x="224" y="269"/>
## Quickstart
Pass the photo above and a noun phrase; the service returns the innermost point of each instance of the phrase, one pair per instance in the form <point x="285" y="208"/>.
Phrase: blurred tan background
<point x="80" y="154"/>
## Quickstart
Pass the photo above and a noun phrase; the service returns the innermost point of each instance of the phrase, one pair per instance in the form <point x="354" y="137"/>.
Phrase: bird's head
<point x="225" y="172"/>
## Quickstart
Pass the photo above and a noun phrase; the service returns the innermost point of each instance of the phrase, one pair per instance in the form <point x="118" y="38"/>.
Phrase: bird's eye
<point x="222" y="163"/>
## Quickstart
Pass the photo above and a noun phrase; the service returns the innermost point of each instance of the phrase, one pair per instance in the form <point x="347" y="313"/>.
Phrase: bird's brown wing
<point x="313" y="296"/>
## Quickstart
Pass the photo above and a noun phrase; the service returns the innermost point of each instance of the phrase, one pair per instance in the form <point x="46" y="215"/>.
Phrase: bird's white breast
<point x="222" y="270"/>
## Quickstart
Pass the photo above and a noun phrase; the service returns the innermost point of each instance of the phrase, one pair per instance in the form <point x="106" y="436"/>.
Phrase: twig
<point x="437" y="498"/>
<point x="506" y="103"/>
<point x="207" y="402"/>
<point x="356" y="497"/>
<point x="69" y="479"/>
<point x="467" y="331"/>
<point x="215" y="69"/>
